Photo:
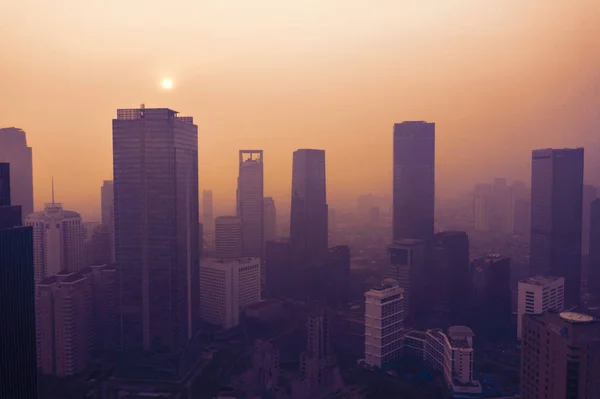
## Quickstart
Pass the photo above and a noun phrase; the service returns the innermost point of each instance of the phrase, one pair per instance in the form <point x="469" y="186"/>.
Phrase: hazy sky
<point x="499" y="78"/>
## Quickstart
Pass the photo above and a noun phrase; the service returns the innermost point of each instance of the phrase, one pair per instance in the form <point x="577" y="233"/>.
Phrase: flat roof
<point x="541" y="280"/>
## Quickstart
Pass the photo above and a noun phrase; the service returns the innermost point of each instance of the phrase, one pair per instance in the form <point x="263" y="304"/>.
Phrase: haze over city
<point x="498" y="81"/>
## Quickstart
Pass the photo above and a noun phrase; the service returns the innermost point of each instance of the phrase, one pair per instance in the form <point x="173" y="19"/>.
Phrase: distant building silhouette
<point x="556" y="214"/>
<point x="250" y="202"/>
<point x="226" y="288"/>
<point x="155" y="160"/>
<point x="522" y="217"/>
<point x="58" y="239"/>
<point x="281" y="270"/>
<point x="208" y="218"/>
<point x="270" y="219"/>
<point x="414" y="180"/>
<point x="18" y="373"/>
<point x="107" y="200"/>
<point x="481" y="206"/>
<point x="538" y="294"/>
<point x="560" y="356"/>
<point x="309" y="213"/>
<point x="14" y="150"/>
<point x="590" y="193"/>
<point x="228" y="237"/>
<point x="594" y="263"/>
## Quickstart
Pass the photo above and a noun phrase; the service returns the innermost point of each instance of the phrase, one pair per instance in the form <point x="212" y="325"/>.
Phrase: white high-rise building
<point x="58" y="237"/>
<point x="384" y="323"/>
<point x="226" y="288"/>
<point x="228" y="237"/>
<point x="537" y="295"/>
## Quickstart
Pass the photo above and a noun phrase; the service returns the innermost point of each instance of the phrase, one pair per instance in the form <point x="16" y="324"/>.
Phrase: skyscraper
<point x="407" y="263"/>
<point x="270" y="223"/>
<point x="155" y="160"/>
<point x="556" y="202"/>
<point x="228" y="237"/>
<point x="18" y="373"/>
<point x="309" y="212"/>
<point x="414" y="180"/>
<point x="589" y="194"/>
<point x="208" y="219"/>
<point x="107" y="200"/>
<point x="594" y="264"/>
<point x="250" y="202"/>
<point x="538" y="294"/>
<point x="14" y="150"/>
<point x="58" y="237"/>
<point x="481" y="206"/>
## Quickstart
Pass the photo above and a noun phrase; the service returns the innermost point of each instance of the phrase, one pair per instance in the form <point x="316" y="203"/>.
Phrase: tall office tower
<point x="594" y="262"/>
<point x="226" y="288"/>
<point x="228" y="237"/>
<point x="155" y="161"/>
<point x="107" y="201"/>
<point x="18" y="372"/>
<point x="492" y="296"/>
<point x="501" y="217"/>
<point x="522" y="206"/>
<point x="309" y="216"/>
<point x="481" y="206"/>
<point x="406" y="265"/>
<point x="414" y="180"/>
<point x="280" y="268"/>
<point x="250" y="202"/>
<point x="64" y="323"/>
<point x="14" y="150"/>
<point x="560" y="356"/>
<point x="270" y="221"/>
<point x="99" y="247"/>
<point x="384" y="324"/>
<point x="58" y="240"/>
<point x="449" y="278"/>
<point x="208" y="219"/>
<point x="589" y="194"/>
<point x="556" y="201"/>
<point x="105" y="306"/>
<point x="537" y="295"/>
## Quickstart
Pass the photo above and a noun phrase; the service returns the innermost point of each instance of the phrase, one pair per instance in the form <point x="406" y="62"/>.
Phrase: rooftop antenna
<point x="52" y="190"/>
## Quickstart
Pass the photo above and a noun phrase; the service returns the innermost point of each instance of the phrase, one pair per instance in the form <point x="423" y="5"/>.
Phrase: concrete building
<point x="407" y="265"/>
<point x="481" y="206"/>
<point x="228" y="237"/>
<point x="265" y="365"/>
<point x="155" y="169"/>
<point x="281" y="269"/>
<point x="18" y="375"/>
<point x="594" y="262"/>
<point x="309" y="232"/>
<point x="451" y="354"/>
<point x="226" y="288"/>
<point x="537" y="295"/>
<point x="560" y="356"/>
<point x="270" y="222"/>
<point x="384" y="323"/>
<point x="414" y="180"/>
<point x="250" y="202"/>
<point x="107" y="200"/>
<point x="556" y="214"/>
<point x="105" y="306"/>
<point x="208" y="218"/>
<point x="14" y="150"/>
<point x="64" y="323"/>
<point x="58" y="240"/>
<point x="589" y="194"/>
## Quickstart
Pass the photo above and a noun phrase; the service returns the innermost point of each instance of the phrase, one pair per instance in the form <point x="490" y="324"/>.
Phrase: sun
<point x="167" y="84"/>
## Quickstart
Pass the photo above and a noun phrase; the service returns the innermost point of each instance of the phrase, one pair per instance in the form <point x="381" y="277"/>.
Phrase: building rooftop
<point x="573" y="317"/>
<point x="540" y="280"/>
<point x="263" y="304"/>
<point x="406" y="242"/>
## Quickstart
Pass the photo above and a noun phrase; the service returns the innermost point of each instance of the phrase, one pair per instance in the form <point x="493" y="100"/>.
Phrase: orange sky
<point x="498" y="77"/>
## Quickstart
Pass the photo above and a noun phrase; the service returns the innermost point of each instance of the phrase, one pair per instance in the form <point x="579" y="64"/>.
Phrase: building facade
<point x="384" y="324"/>
<point x="590" y="193"/>
<point x="228" y="237"/>
<point x="58" y="239"/>
<point x="250" y="202"/>
<point x="414" y="180"/>
<point x="208" y="218"/>
<point x="107" y="200"/>
<point x="14" y="150"/>
<point x="270" y="219"/>
<point x="556" y="214"/>
<point x="227" y="287"/>
<point x="594" y="259"/>
<point x="407" y="265"/>
<point x="155" y="169"/>
<point x="309" y="233"/>
<point x="538" y="294"/>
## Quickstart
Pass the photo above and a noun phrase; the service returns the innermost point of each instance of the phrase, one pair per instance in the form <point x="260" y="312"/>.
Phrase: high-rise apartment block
<point x="537" y="295"/>
<point x="58" y="239"/>
<point x="14" y="150"/>
<point x="155" y="169"/>
<point x="384" y="324"/>
<point x="309" y="233"/>
<point x="407" y="265"/>
<point x="226" y="288"/>
<point x="414" y="180"/>
<point x="560" y="356"/>
<point x="250" y="202"/>
<point x="18" y="373"/>
<point x="64" y="323"/>
<point x="228" y="237"/>
<point x="556" y="214"/>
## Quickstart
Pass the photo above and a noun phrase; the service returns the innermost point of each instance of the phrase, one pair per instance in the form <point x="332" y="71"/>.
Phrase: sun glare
<point x="167" y="84"/>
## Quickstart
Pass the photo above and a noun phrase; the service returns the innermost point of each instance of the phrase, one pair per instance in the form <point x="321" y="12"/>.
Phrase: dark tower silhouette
<point x="156" y="227"/>
<point x="308" y="220"/>
<point x="414" y="180"/>
<point x="14" y="150"/>
<point x="594" y="265"/>
<point x="18" y="367"/>
<point x="556" y="214"/>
